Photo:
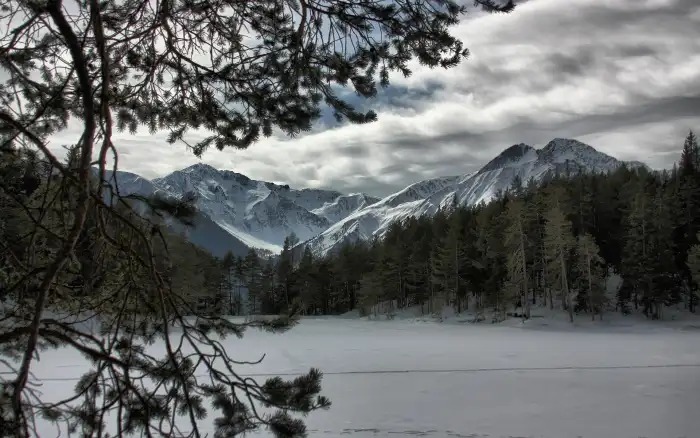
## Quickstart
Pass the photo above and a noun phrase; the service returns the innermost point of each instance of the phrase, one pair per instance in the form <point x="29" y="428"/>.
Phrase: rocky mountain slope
<point x="426" y="197"/>
<point x="237" y="213"/>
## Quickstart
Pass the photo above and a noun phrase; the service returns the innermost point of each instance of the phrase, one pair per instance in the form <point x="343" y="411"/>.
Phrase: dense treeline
<point x="554" y="243"/>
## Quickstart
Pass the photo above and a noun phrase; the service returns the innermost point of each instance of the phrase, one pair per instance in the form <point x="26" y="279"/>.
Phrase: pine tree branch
<point x="54" y="10"/>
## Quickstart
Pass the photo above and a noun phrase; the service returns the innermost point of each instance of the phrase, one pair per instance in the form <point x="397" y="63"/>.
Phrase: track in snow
<point x="429" y="371"/>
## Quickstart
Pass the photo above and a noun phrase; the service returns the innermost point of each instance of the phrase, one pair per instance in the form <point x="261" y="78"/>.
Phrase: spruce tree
<point x="558" y="242"/>
<point x="227" y="281"/>
<point x="638" y="259"/>
<point x="489" y="247"/>
<point x="690" y="156"/>
<point x="591" y="275"/>
<point x="370" y="294"/>
<point x="694" y="262"/>
<point x="305" y="278"/>
<point x="349" y="267"/>
<point x="271" y="303"/>
<point x="517" y="245"/>
<point x="285" y="270"/>
<point x="448" y="261"/>
<point x="665" y="286"/>
<point x="252" y="275"/>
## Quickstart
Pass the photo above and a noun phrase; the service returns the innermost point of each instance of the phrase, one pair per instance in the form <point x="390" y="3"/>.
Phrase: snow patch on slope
<point x="364" y="224"/>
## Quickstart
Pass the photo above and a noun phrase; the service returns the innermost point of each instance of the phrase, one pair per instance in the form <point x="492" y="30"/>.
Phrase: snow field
<point x="400" y="378"/>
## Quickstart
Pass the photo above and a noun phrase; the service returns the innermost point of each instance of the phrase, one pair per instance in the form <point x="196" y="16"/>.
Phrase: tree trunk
<point x="430" y="301"/>
<point x="547" y="290"/>
<point x="231" y="294"/>
<point x="590" y="285"/>
<point x="526" y="295"/>
<point x="565" y="288"/>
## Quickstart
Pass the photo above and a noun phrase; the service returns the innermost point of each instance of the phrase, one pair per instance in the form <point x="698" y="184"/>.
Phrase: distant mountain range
<point x="237" y="213"/>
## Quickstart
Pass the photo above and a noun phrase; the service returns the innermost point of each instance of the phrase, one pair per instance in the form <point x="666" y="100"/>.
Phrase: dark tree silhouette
<point x="74" y="246"/>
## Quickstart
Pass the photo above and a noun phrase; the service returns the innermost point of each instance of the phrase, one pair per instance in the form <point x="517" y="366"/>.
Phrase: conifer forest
<point x="555" y="243"/>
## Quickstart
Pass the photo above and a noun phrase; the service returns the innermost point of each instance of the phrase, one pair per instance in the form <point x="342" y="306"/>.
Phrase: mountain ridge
<point x="520" y="160"/>
<point x="237" y="212"/>
<point x="244" y="213"/>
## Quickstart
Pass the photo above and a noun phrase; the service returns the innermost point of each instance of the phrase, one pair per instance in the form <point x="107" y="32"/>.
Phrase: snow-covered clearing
<point x="406" y="378"/>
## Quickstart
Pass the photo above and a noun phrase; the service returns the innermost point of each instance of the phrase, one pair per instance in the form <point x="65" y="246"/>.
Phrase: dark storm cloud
<point x="538" y="132"/>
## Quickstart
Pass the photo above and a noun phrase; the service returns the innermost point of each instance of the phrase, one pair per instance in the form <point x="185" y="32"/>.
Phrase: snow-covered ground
<point x="406" y="378"/>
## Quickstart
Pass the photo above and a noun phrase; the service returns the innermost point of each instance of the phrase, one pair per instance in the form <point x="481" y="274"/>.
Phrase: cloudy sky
<point x="620" y="75"/>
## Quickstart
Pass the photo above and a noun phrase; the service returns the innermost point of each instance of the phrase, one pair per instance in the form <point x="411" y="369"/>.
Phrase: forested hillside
<point x="552" y="244"/>
<point x="33" y="201"/>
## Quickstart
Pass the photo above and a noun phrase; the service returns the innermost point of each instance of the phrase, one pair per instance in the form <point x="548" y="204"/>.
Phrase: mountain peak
<point x="566" y="144"/>
<point x="563" y="150"/>
<point x="513" y="154"/>
<point x="199" y="168"/>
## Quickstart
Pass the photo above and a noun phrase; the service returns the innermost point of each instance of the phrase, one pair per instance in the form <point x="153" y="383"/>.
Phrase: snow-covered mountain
<point x="237" y="212"/>
<point x="426" y="197"/>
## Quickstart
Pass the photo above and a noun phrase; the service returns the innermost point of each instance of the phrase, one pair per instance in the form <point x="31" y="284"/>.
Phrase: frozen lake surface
<point x="402" y="378"/>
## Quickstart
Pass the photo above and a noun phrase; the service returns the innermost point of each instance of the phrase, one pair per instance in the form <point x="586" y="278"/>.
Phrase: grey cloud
<point x="619" y="73"/>
<point x="354" y="150"/>
<point x="572" y="65"/>
<point x="631" y="51"/>
<point x="600" y="59"/>
<point x="457" y="153"/>
<point x="536" y="131"/>
<point x="425" y="147"/>
<point x="533" y="132"/>
<point x="308" y="172"/>
<point x="665" y="110"/>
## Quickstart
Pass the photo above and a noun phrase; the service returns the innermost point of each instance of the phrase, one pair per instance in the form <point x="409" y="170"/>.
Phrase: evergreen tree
<point x="393" y="266"/>
<point x="228" y="282"/>
<point x="591" y="275"/>
<point x="690" y="156"/>
<point x="448" y="262"/>
<point x="517" y="245"/>
<point x="489" y="262"/>
<point x="637" y="263"/>
<point x="252" y="276"/>
<point x="370" y="294"/>
<point x="305" y="278"/>
<point x="292" y="241"/>
<point x="694" y="262"/>
<point x="516" y="186"/>
<point x="285" y="270"/>
<point x="558" y="242"/>
<point x="239" y="279"/>
<point x="271" y="303"/>
<point x="685" y="199"/>
<point x="665" y="284"/>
